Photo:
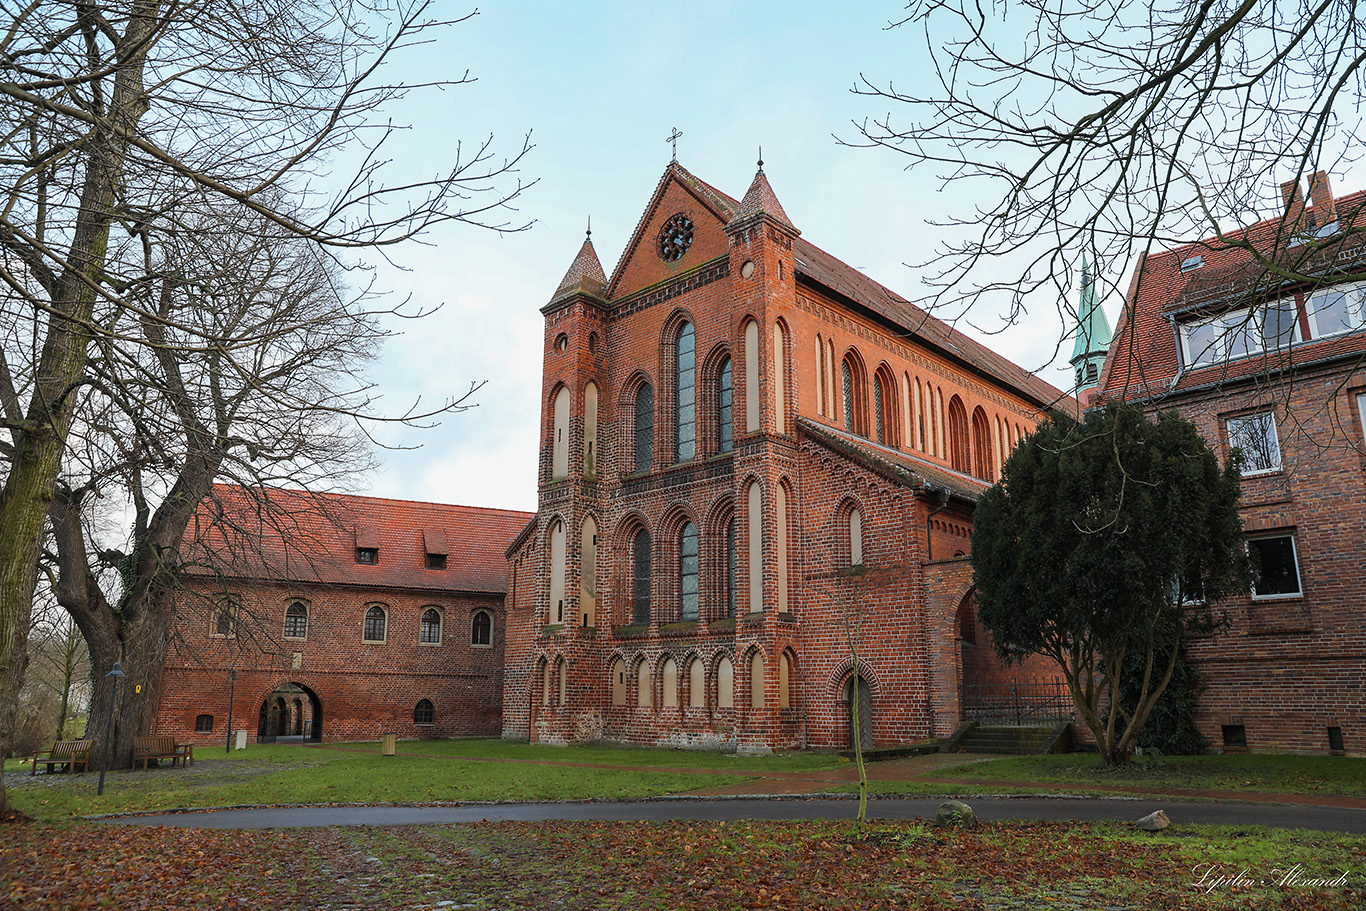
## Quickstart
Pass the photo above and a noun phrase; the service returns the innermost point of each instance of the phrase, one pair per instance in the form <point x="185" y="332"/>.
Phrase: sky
<point x="599" y="86"/>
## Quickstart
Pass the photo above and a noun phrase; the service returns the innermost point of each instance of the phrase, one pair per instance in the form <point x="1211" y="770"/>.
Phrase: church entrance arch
<point x="857" y="685"/>
<point x="291" y="711"/>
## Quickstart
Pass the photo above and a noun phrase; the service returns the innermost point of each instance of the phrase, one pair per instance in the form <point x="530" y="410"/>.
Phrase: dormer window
<point x="1192" y="262"/>
<point x="1339" y="309"/>
<point x="436" y="561"/>
<point x="367" y="555"/>
<point x="1239" y="333"/>
<point x="367" y="545"/>
<point x="434" y="544"/>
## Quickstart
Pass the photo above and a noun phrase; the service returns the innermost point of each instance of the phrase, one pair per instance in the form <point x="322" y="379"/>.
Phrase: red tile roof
<point x="1144" y="359"/>
<point x="311" y="537"/>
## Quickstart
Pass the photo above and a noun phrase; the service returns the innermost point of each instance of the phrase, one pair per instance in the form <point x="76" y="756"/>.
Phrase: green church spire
<point x="1093" y="333"/>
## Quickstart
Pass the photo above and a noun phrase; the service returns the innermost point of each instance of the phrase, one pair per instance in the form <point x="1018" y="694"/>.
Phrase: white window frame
<point x="1356" y="290"/>
<point x="1294" y="555"/>
<point x="1227" y="327"/>
<point x="1265" y="418"/>
<point x="1361" y="411"/>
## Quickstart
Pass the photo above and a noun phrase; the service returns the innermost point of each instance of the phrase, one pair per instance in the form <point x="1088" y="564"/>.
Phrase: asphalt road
<point x="1330" y="819"/>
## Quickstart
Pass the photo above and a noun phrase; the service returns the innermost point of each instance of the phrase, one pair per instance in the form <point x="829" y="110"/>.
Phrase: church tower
<point x="1093" y="334"/>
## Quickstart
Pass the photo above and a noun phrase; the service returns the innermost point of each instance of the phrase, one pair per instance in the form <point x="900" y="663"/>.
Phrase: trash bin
<point x="240" y="743"/>
<point x="388" y="744"/>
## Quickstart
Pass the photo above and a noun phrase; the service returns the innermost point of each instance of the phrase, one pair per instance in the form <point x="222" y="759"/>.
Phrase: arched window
<point x="780" y="543"/>
<point x="755" y="551"/>
<point x="879" y="425"/>
<point x="374" y="623"/>
<point x="685" y="412"/>
<point x="958" y="436"/>
<point x="725" y="421"/>
<point x="982" y="466"/>
<point x="640" y="583"/>
<point x="618" y="673"/>
<point x="847" y="381"/>
<point x="784" y="681"/>
<point x="687" y="573"/>
<point x="561" y="680"/>
<point x="545" y="682"/>
<point x="481" y="628"/>
<point x="756" y="680"/>
<point x="588" y="571"/>
<point x="590" y="430"/>
<point x="668" y="684"/>
<point x="559" y="459"/>
<point x="431" y="626"/>
<point x="645" y="427"/>
<point x="820" y="374"/>
<point x="779" y="378"/>
<point x="643" y="695"/>
<point x="855" y="537"/>
<point x="296" y="620"/>
<point x="697" y="684"/>
<point x="751" y="376"/>
<point x="424" y="712"/>
<point x="885" y="410"/>
<point x="725" y="683"/>
<point x="731" y="568"/>
<point x="907" y="440"/>
<point x="557" y="557"/>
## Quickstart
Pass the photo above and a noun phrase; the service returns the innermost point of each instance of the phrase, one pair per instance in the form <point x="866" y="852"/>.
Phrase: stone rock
<point x="955" y="814"/>
<point x="1155" y="821"/>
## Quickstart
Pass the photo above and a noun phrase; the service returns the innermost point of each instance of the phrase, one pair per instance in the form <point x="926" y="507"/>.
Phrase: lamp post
<point x="232" y="685"/>
<point x="115" y="673"/>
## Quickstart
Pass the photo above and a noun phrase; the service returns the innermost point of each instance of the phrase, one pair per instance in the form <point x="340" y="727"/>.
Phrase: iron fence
<point x="1021" y="704"/>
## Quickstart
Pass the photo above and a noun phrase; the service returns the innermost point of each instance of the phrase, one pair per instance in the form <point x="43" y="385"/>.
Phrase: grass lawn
<point x="424" y="772"/>
<point x="1319" y="775"/>
<point x="695" y="865"/>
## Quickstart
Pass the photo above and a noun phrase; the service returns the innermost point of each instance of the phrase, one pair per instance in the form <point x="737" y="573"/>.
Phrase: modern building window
<point x="640" y="582"/>
<point x="296" y="621"/>
<point x="1276" y="571"/>
<point x="374" y="624"/>
<point x="203" y="724"/>
<point x="685" y="408"/>
<point x="725" y="421"/>
<point x="431" y="626"/>
<point x="687" y="573"/>
<point x="1255" y="435"/>
<point x="424" y="712"/>
<point x="1341" y="308"/>
<point x="367" y="555"/>
<point x="1240" y="333"/>
<point x="481" y="628"/>
<point x="645" y="427"/>
<point x="1361" y="411"/>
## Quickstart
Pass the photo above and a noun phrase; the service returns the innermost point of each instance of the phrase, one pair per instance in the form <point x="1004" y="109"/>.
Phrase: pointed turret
<point x="761" y="198"/>
<point x="1093" y="333"/>
<point x="585" y="274"/>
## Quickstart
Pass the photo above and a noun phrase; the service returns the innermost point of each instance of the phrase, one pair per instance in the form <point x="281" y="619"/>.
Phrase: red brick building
<point x="341" y="617"/>
<point x="1273" y="365"/>
<point x="747" y="449"/>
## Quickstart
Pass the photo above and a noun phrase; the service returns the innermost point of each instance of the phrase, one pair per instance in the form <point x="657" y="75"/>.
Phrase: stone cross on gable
<point x="673" y="139"/>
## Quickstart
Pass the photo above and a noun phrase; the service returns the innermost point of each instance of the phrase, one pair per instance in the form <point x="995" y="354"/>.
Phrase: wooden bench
<point x="161" y="746"/>
<point x="65" y="753"/>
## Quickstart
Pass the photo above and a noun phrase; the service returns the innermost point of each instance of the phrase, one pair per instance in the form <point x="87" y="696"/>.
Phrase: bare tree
<point x="118" y="118"/>
<point x="1119" y="127"/>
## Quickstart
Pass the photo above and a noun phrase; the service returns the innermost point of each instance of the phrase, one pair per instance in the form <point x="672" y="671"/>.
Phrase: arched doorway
<point x="291" y="711"/>
<point x="857" y="685"/>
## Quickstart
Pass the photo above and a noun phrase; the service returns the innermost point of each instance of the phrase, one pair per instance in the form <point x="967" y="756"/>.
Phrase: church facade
<point x="1269" y="360"/>
<point x="756" y="481"/>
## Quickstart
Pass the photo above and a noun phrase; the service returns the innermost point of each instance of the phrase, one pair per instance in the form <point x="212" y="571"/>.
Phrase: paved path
<point x="1333" y="819"/>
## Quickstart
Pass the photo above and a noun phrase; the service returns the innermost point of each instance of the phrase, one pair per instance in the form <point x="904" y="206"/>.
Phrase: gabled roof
<point x="1222" y="274"/>
<point x="298" y="536"/>
<point x="893" y="464"/>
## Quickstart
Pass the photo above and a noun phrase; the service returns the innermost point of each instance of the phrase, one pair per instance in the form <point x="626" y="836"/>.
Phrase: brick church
<point x="755" y="463"/>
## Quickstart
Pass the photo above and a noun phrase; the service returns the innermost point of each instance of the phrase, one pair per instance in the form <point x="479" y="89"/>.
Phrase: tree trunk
<point x="140" y="647"/>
